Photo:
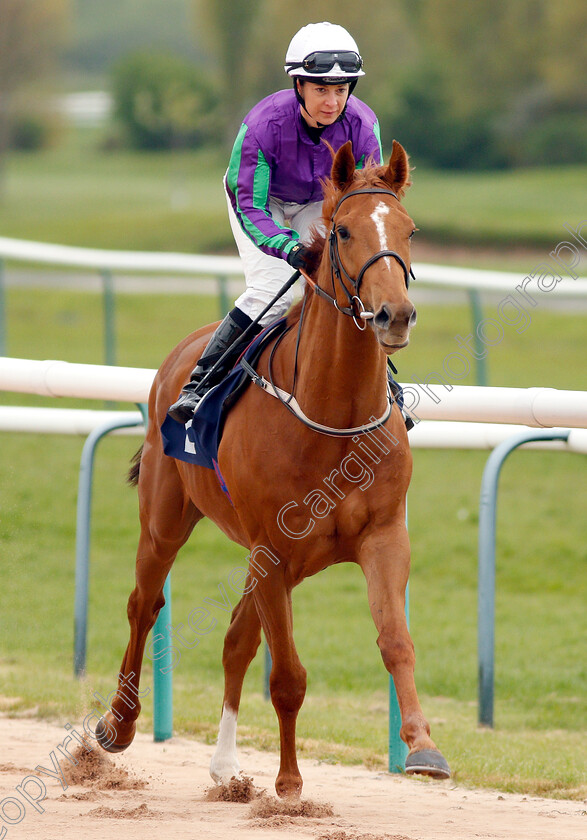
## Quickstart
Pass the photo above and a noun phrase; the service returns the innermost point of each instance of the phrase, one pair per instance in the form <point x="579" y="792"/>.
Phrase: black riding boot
<point x="227" y="335"/>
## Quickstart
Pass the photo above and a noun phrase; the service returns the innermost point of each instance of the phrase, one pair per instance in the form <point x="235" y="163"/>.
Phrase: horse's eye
<point x="412" y="233"/>
<point x="343" y="233"/>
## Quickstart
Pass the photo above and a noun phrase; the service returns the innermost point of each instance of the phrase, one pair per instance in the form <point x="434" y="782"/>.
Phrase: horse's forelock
<point x="368" y="176"/>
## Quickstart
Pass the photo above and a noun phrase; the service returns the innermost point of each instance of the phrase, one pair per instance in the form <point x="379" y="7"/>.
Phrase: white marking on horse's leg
<point x="224" y="764"/>
<point x="377" y="215"/>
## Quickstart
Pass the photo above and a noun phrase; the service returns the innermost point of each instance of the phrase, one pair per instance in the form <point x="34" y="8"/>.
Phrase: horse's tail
<point x="135" y="466"/>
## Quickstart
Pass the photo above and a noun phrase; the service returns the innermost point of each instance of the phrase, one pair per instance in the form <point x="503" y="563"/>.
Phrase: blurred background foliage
<point x="164" y="102"/>
<point x="490" y="84"/>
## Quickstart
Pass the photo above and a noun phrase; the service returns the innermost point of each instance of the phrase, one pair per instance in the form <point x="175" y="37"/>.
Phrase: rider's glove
<point x="298" y="256"/>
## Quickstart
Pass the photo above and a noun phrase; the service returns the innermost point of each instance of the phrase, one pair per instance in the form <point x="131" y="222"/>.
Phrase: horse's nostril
<point x="383" y="318"/>
<point x="401" y="316"/>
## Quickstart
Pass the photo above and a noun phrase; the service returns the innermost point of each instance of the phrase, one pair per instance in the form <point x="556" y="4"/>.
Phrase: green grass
<point x="539" y="743"/>
<point x="78" y="195"/>
<point x="507" y="209"/>
<point x="54" y="324"/>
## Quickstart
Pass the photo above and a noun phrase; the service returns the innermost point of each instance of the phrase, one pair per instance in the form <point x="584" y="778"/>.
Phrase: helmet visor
<point x="321" y="63"/>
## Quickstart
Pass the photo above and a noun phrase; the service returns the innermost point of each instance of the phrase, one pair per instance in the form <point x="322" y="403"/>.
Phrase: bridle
<point x="356" y="308"/>
<point x="337" y="271"/>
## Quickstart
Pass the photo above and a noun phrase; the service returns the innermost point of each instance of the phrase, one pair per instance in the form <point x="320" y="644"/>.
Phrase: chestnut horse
<point x="300" y="499"/>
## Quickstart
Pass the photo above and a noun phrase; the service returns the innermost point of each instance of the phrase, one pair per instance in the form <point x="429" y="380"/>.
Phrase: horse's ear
<point x="343" y="167"/>
<point x="397" y="172"/>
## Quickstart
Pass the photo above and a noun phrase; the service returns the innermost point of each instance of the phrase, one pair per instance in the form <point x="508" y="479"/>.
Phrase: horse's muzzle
<point x="392" y="324"/>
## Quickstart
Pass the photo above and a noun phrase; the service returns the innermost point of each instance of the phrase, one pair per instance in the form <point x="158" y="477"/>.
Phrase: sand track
<point x="162" y="791"/>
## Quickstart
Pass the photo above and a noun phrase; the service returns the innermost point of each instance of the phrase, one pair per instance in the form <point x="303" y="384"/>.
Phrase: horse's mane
<point x="370" y="176"/>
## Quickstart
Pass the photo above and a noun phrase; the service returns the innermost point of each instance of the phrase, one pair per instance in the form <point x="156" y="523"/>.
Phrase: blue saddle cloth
<point x="197" y="442"/>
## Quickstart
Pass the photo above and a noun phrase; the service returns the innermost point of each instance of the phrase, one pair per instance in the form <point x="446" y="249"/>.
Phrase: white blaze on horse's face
<point x="378" y="216"/>
<point x="392" y="319"/>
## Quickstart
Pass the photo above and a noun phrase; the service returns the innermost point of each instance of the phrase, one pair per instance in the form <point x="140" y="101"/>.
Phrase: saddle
<point x="198" y="441"/>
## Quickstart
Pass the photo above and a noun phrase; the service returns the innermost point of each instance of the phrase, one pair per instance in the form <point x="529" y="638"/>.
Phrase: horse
<point x="315" y="478"/>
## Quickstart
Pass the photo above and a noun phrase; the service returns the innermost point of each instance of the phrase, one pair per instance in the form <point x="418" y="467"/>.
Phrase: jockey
<point x="273" y="182"/>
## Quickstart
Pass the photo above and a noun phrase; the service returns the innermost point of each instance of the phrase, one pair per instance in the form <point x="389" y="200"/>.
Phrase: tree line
<point x="494" y="83"/>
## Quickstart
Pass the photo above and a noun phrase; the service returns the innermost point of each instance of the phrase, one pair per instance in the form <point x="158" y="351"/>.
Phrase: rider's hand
<point x="298" y="256"/>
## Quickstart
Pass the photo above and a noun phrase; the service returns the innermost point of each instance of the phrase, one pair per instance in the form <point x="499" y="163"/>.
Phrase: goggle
<point x="322" y="62"/>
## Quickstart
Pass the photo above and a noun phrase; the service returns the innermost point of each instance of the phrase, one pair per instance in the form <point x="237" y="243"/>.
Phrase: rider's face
<point x="324" y="103"/>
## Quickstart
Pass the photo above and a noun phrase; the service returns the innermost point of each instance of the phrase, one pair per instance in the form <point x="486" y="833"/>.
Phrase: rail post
<point x="486" y="583"/>
<point x="163" y="664"/>
<point x="481" y="375"/>
<point x="162" y="671"/>
<point x="82" y="539"/>
<point x="397" y="750"/>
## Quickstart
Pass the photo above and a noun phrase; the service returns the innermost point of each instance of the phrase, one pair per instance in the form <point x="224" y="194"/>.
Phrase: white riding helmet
<point x="323" y="51"/>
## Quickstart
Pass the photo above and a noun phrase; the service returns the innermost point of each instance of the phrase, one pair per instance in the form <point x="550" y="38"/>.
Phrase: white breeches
<point x="264" y="275"/>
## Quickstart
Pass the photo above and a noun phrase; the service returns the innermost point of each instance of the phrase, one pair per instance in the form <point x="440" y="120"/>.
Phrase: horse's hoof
<point x="428" y="763"/>
<point x="106" y="736"/>
<point x="222" y="774"/>
<point x="289" y="787"/>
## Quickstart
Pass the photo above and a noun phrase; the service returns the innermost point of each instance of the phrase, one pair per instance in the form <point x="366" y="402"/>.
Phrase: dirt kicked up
<point x="164" y="790"/>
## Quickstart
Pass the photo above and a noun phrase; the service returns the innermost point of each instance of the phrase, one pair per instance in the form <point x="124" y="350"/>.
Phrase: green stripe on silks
<point x="360" y="164"/>
<point x="261" y="180"/>
<point x="377" y="133"/>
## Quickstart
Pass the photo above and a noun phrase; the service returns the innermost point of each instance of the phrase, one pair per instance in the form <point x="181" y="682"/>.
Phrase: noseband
<point x="356" y="308"/>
